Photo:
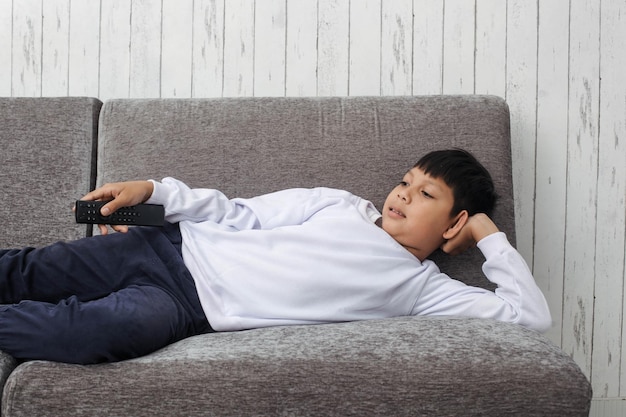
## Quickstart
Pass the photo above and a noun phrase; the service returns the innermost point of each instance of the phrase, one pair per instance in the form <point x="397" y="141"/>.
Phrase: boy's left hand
<point x="476" y="228"/>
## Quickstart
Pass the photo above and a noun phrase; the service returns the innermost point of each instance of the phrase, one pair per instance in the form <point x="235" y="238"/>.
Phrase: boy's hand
<point x="121" y="194"/>
<point x="477" y="227"/>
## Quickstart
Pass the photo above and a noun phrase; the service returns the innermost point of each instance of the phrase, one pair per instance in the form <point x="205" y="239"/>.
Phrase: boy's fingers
<point x="452" y="247"/>
<point x="119" y="195"/>
<point x="120" y="200"/>
<point x="98" y="194"/>
<point x="446" y="247"/>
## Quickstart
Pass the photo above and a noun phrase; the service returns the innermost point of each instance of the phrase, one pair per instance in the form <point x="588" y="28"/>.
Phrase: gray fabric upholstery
<point x="250" y="146"/>
<point x="7" y="365"/>
<point x="397" y="367"/>
<point x="47" y="161"/>
<point x="45" y="164"/>
<point x="247" y="146"/>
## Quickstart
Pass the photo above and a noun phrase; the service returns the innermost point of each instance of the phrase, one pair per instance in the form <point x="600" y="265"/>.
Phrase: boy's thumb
<point x="105" y="210"/>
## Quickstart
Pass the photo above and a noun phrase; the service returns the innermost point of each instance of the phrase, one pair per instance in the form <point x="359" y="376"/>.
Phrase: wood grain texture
<point x="582" y="171"/>
<point x="396" y="48"/>
<point x="176" y="62"/>
<point x="270" y="35"/>
<point x="55" y="48"/>
<point x="27" y="27"/>
<point x="208" y="48"/>
<point x="608" y="355"/>
<point x="6" y="47"/>
<point x="238" y="48"/>
<point x="84" y="48"/>
<point x="115" y="30"/>
<point x="364" y="48"/>
<point x="551" y="159"/>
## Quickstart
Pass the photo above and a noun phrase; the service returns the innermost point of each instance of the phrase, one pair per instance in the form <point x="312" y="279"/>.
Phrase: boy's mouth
<point x="396" y="212"/>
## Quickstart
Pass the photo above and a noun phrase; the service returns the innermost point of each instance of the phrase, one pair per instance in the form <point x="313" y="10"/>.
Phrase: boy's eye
<point x="404" y="183"/>
<point x="425" y="194"/>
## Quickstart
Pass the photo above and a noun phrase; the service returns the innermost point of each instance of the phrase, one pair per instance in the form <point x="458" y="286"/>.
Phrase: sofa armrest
<point x="48" y="161"/>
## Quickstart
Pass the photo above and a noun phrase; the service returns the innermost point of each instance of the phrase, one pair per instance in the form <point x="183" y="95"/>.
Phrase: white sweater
<point x="303" y="256"/>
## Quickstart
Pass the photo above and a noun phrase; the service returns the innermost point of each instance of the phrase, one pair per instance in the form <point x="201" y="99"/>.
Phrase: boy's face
<point x="417" y="213"/>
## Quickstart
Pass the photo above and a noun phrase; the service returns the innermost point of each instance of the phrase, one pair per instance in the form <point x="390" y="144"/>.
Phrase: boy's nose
<point x="404" y="196"/>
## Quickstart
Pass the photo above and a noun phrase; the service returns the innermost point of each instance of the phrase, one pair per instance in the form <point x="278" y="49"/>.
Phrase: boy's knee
<point x="126" y="324"/>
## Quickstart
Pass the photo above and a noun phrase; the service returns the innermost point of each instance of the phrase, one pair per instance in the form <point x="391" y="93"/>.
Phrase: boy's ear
<point x="458" y="223"/>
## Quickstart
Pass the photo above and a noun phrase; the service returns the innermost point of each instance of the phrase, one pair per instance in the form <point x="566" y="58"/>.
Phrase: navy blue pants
<point x="98" y="299"/>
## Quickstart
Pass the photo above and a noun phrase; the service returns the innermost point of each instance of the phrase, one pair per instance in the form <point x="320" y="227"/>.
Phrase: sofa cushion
<point x="47" y="157"/>
<point x="398" y="367"/>
<point x="7" y="365"/>
<point x="250" y="146"/>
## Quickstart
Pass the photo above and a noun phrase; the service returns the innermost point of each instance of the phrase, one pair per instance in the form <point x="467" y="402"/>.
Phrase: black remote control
<point x="139" y="215"/>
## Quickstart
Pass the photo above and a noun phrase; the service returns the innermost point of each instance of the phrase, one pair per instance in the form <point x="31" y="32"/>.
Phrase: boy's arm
<point x="517" y="298"/>
<point x="200" y="204"/>
<point x="267" y="211"/>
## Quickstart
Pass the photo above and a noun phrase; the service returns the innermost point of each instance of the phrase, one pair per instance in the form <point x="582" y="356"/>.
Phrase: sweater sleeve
<point x="281" y="208"/>
<point x="517" y="298"/>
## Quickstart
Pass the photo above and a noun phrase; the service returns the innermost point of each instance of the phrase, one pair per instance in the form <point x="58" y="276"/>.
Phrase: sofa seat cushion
<point x="400" y="366"/>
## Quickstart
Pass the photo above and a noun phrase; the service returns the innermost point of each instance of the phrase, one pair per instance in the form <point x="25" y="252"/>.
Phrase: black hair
<point x="471" y="183"/>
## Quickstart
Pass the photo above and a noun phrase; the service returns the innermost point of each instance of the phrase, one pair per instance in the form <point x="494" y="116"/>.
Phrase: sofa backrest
<point x="250" y="146"/>
<point x="47" y="161"/>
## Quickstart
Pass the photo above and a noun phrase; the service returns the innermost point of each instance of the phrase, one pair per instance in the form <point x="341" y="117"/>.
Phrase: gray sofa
<point x="55" y="149"/>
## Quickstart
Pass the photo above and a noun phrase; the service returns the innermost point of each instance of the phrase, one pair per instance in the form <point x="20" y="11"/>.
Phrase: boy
<point x="291" y="257"/>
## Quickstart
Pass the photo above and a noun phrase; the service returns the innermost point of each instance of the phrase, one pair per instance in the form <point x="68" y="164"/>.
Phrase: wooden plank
<point x="333" y="48"/>
<point x="364" y="71"/>
<point x="26" y="49"/>
<point x="84" y="50"/>
<point x="270" y="34"/>
<point x="458" y="47"/>
<point x="55" y="48"/>
<point x="614" y="407"/>
<point x="208" y="48"/>
<point x="396" y="48"/>
<point x="301" y="48"/>
<point x="114" y="81"/>
<point x="428" y="46"/>
<point x="581" y="182"/>
<point x="608" y="318"/>
<point x="239" y="48"/>
<point x="6" y="29"/>
<point x="177" y="38"/>
<point x="145" y="49"/>
<point x="490" y="56"/>
<point x="551" y="168"/>
<point x="521" y="96"/>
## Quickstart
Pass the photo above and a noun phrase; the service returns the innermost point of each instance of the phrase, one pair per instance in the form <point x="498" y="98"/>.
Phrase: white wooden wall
<point x="560" y="64"/>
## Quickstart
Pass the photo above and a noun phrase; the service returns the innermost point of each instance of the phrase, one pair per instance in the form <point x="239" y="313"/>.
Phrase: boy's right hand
<point x="120" y="194"/>
<point x="476" y="228"/>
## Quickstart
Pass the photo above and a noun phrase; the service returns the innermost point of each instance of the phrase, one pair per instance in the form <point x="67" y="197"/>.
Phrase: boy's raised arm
<point x="517" y="299"/>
